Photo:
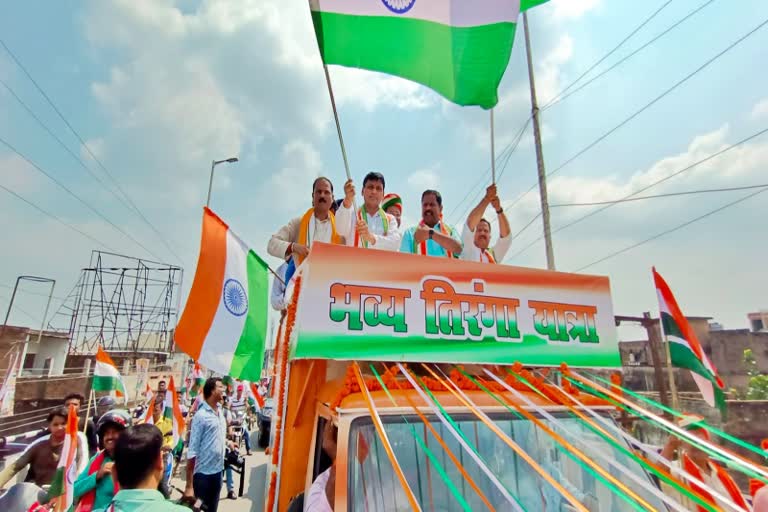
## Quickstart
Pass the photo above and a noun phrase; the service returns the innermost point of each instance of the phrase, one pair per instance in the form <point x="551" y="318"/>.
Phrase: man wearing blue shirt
<point x="432" y="237"/>
<point x="207" y="441"/>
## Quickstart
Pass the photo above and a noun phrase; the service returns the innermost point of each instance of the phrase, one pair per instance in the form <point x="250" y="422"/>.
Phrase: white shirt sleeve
<point x="317" y="501"/>
<point x="277" y="296"/>
<point x="470" y="252"/>
<point x="501" y="248"/>
<point x="345" y="224"/>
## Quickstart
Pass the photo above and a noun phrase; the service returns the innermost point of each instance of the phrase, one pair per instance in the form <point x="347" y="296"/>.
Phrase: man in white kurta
<point x="476" y="234"/>
<point x="370" y="227"/>
<point x="317" y="224"/>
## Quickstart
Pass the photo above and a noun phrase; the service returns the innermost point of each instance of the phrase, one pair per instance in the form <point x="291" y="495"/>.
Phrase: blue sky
<point x="158" y="89"/>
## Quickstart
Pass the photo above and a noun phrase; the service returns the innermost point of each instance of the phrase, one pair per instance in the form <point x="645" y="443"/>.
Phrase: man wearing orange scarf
<point x="370" y="227"/>
<point x="691" y="461"/>
<point x="317" y="224"/>
<point x="432" y="237"/>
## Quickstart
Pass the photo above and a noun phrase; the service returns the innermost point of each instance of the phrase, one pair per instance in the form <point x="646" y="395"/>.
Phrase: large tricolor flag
<point x="684" y="348"/>
<point x="105" y="375"/>
<point x="62" y="488"/>
<point x="173" y="412"/>
<point x="458" y="48"/>
<point x="224" y="324"/>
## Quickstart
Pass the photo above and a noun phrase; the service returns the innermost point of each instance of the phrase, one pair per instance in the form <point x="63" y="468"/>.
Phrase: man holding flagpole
<point x="317" y="224"/>
<point x="371" y="227"/>
<point x="476" y="234"/>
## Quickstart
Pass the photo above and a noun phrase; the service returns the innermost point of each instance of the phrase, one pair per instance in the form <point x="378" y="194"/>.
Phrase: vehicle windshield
<point x="374" y="486"/>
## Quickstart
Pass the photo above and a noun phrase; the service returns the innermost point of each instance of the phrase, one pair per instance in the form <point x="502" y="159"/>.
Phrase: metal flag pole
<point x="336" y="118"/>
<point x="493" y="152"/>
<point x="539" y="154"/>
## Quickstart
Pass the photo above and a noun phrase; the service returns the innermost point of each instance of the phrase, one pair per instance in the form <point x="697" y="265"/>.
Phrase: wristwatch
<point x="499" y="211"/>
<point x="431" y="232"/>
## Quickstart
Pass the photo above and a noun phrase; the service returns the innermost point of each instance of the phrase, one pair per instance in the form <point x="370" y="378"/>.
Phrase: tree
<point x="757" y="386"/>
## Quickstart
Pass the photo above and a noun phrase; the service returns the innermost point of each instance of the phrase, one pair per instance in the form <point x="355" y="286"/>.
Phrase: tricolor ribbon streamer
<point x="438" y="411"/>
<point x="642" y="482"/>
<point x="384" y="440"/>
<point x="714" y="430"/>
<point x="718" y="452"/>
<point x="622" y="491"/>
<point x="456" y="493"/>
<point x="643" y="461"/>
<point x="456" y="391"/>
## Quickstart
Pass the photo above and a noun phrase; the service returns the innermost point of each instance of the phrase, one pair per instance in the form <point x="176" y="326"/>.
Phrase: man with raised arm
<point x="371" y="227"/>
<point x="432" y="237"/>
<point x="317" y="224"/>
<point x="476" y="234"/>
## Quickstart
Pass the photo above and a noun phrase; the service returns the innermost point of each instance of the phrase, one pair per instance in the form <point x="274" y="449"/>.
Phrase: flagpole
<point x="670" y="370"/>
<point x="539" y="153"/>
<point x="336" y="118"/>
<point x="88" y="410"/>
<point x="493" y="152"/>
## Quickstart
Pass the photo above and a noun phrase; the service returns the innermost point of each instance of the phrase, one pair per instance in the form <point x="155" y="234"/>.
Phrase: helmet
<point x="116" y="417"/>
<point x="106" y="401"/>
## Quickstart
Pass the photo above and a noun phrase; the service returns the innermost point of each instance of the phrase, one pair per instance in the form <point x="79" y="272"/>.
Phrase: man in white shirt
<point x="371" y="227"/>
<point x="321" y="494"/>
<point x="476" y="234"/>
<point x="317" y="224"/>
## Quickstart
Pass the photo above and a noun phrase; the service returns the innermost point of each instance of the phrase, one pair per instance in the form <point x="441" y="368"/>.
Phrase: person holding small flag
<point x="476" y="234"/>
<point x="95" y="487"/>
<point x="433" y="236"/>
<point x="371" y="227"/>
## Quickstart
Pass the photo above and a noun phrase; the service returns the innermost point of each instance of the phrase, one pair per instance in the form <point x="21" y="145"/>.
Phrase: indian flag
<point x="105" y="375"/>
<point x="224" y="324"/>
<point x="684" y="348"/>
<point x="149" y="403"/>
<point x="63" y="484"/>
<point x="458" y="48"/>
<point x="173" y="412"/>
<point x="198" y="380"/>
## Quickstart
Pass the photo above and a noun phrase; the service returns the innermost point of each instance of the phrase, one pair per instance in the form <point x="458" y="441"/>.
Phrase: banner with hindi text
<point x="376" y="305"/>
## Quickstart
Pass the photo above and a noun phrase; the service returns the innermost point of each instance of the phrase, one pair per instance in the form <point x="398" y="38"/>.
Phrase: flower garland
<point x="290" y="320"/>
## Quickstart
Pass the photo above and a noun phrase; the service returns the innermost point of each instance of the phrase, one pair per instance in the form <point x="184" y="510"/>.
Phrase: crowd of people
<point x="124" y="463"/>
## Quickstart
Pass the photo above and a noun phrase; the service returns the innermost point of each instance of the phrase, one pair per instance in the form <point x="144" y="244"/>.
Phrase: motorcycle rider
<point x="95" y="487"/>
<point x="42" y="456"/>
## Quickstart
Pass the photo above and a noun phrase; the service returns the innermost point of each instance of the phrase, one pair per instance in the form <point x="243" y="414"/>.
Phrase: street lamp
<point x="210" y="182"/>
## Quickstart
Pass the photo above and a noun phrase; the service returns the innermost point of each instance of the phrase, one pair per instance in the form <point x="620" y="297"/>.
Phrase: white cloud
<point x="424" y="179"/>
<point x="566" y="10"/>
<point x="18" y="175"/>
<point x="371" y="90"/>
<point x="760" y="111"/>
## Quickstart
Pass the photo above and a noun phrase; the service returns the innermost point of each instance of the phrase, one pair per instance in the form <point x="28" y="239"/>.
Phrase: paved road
<point x="254" y="486"/>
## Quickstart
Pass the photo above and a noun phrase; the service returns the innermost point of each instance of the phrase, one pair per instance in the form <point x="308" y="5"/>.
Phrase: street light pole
<point x="214" y="163"/>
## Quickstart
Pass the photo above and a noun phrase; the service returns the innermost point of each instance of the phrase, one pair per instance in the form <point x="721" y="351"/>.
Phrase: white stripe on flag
<point x="706" y="387"/>
<point x="105" y="370"/>
<point x="456" y="13"/>
<point x="220" y="343"/>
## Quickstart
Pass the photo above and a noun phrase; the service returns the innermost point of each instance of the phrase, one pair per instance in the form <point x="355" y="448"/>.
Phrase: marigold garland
<point x="290" y="320"/>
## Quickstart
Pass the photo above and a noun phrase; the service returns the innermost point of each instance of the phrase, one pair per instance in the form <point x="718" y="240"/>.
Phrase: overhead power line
<point x="54" y="217"/>
<point x="74" y="195"/>
<point x="672" y="230"/>
<point x="611" y="52"/>
<point x="644" y="108"/>
<point x="659" y="196"/>
<point x="628" y="197"/>
<point x="563" y="95"/>
<point x="89" y="151"/>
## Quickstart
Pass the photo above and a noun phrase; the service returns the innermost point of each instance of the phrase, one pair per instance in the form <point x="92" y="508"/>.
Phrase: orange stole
<point x="304" y="232"/>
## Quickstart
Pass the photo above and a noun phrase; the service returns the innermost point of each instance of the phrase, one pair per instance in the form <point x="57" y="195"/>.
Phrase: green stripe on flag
<point x="463" y="64"/>
<point x="249" y="354"/>
<point x="107" y="384"/>
<point x="527" y="4"/>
